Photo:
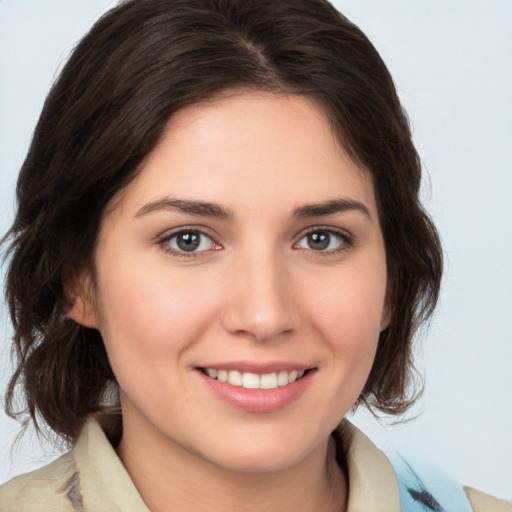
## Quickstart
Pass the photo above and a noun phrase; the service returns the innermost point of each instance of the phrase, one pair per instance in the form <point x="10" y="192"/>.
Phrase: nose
<point x="260" y="303"/>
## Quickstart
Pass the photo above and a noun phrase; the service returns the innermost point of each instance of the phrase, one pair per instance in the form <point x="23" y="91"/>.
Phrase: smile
<point x="258" y="388"/>
<point x="250" y="380"/>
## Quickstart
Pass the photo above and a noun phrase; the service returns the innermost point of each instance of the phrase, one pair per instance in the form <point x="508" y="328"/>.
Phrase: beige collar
<point x="104" y="482"/>
<point x="372" y="481"/>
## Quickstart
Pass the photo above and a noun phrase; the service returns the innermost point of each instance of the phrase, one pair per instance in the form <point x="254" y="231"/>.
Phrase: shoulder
<point x="45" y="489"/>
<point x="482" y="502"/>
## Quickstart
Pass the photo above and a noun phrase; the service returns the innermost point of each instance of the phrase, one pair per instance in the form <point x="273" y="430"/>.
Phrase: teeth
<point x="253" y="380"/>
<point x="235" y="378"/>
<point x="268" y="381"/>
<point x="212" y="373"/>
<point x="282" y="378"/>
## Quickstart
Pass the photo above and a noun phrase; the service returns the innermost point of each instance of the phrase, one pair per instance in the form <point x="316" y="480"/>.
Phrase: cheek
<point x="352" y="301"/>
<point x="348" y="311"/>
<point x="151" y="317"/>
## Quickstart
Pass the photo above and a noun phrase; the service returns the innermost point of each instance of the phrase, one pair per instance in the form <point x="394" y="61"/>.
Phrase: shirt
<point x="92" y="478"/>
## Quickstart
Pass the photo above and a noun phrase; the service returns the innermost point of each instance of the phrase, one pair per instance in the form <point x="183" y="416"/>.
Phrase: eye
<point x="188" y="241"/>
<point x="325" y="240"/>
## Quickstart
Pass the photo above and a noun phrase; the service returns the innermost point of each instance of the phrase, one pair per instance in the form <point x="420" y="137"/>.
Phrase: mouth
<point x="249" y="380"/>
<point x="258" y="388"/>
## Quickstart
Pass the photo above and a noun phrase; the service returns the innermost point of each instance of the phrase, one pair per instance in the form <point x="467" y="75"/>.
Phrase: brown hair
<point x="140" y="63"/>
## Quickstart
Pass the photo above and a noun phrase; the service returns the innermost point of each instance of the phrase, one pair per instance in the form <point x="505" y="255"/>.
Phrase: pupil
<point x="319" y="241"/>
<point x="188" y="241"/>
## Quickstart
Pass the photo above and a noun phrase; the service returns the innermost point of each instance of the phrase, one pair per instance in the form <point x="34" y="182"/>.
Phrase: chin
<point x="261" y="453"/>
<point x="252" y="463"/>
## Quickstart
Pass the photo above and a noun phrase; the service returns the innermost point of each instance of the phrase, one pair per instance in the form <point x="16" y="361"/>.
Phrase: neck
<point x="168" y="477"/>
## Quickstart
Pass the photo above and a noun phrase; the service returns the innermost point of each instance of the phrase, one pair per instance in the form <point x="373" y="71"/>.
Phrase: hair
<point x="142" y="62"/>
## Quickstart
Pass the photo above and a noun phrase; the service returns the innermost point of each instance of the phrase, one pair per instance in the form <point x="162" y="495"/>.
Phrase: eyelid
<point x="164" y="238"/>
<point x="347" y="237"/>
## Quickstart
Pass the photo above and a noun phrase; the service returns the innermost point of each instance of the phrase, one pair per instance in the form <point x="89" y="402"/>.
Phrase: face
<point x="240" y="284"/>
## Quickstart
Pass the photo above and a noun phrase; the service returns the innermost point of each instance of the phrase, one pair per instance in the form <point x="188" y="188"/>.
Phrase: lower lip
<point x="258" y="400"/>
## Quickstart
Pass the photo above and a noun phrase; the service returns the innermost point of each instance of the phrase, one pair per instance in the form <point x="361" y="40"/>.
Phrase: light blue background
<point x="452" y="63"/>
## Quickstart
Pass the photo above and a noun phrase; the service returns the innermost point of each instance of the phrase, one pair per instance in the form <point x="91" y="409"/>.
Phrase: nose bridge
<point x="259" y="302"/>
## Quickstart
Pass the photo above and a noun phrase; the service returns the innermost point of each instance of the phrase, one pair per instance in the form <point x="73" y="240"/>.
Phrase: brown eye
<point x="318" y="241"/>
<point x="188" y="241"/>
<point x="325" y="240"/>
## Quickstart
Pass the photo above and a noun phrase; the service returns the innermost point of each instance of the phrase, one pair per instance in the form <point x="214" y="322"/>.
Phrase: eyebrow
<point x="200" y="208"/>
<point x="330" y="207"/>
<point x="206" y="209"/>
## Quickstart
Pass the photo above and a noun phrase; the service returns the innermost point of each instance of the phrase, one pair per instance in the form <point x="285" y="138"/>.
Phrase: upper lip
<point x="260" y="368"/>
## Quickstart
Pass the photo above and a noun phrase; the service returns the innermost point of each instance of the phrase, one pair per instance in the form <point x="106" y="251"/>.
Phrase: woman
<point x="218" y="252"/>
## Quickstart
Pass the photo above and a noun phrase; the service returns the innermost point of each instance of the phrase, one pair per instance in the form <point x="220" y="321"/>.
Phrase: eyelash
<point x="346" y="241"/>
<point x="165" y="240"/>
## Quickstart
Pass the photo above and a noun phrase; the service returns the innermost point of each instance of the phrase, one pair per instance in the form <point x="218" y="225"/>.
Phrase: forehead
<point x="252" y="147"/>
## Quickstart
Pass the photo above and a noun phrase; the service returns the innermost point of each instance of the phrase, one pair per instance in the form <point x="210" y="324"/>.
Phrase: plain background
<point x="452" y="63"/>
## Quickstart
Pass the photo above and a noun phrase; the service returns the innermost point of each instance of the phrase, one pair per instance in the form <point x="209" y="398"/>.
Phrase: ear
<point x="81" y="304"/>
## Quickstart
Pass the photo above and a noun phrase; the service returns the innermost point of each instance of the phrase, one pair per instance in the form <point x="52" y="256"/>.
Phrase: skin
<point x="254" y="290"/>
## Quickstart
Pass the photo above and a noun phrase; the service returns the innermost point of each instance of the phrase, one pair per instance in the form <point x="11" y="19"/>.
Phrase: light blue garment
<point x="425" y="489"/>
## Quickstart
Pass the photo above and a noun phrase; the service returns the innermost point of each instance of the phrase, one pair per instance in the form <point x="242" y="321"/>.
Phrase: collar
<point x="372" y="483"/>
<point x="105" y="484"/>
